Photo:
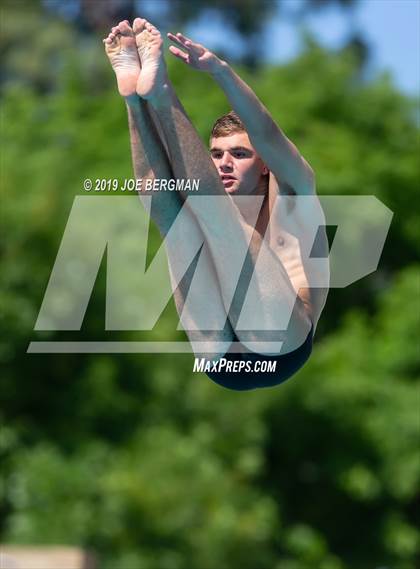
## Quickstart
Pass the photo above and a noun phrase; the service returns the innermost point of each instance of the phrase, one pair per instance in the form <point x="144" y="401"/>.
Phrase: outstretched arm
<point x="279" y="154"/>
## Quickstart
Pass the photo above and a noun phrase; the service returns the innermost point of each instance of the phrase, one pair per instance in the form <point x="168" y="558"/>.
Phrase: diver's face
<point x="240" y="168"/>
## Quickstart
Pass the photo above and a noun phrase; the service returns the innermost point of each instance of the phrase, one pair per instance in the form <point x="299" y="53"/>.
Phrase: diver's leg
<point x="150" y="161"/>
<point x="224" y="229"/>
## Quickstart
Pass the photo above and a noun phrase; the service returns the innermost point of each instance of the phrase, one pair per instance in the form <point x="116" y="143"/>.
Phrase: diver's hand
<point x="194" y="54"/>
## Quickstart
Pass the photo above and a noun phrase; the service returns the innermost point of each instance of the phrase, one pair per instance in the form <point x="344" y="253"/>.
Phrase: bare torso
<point x="291" y="224"/>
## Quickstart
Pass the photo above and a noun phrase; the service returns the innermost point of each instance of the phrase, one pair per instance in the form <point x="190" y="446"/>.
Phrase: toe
<point x="138" y="25"/>
<point x="125" y="28"/>
<point x="150" y="27"/>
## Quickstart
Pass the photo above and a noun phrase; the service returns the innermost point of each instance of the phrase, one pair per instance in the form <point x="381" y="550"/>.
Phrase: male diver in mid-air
<point x="249" y="156"/>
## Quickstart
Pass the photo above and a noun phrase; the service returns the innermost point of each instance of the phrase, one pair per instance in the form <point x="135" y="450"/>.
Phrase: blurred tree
<point x="246" y="18"/>
<point x="40" y="66"/>
<point x="322" y="472"/>
<point x="352" y="423"/>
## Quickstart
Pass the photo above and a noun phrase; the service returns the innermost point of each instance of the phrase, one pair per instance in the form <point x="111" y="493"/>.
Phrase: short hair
<point x="226" y="125"/>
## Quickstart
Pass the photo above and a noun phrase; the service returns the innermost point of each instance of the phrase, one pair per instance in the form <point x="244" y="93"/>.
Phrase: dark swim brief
<point x="286" y="365"/>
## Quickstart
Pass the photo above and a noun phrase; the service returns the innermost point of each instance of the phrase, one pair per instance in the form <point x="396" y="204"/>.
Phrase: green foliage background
<point x="135" y="457"/>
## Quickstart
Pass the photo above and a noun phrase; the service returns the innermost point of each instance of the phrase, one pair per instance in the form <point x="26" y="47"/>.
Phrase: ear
<point x="265" y="170"/>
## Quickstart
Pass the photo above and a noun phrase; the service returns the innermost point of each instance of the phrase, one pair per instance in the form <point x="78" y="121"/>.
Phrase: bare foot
<point x="120" y="47"/>
<point x="153" y="74"/>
